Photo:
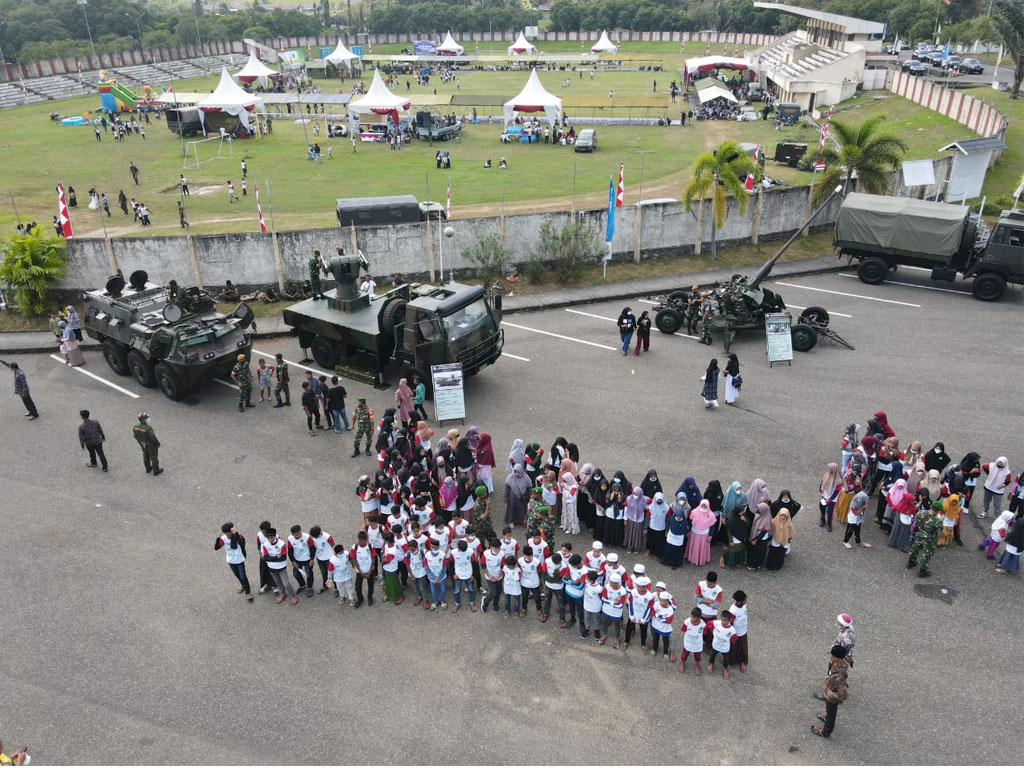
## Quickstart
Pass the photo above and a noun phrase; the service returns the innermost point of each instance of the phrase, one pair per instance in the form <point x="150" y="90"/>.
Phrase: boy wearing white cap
<point x="613" y="602"/>
<point x="640" y="600"/>
<point x="595" y="557"/>
<point x="660" y="613"/>
<point x="612" y="566"/>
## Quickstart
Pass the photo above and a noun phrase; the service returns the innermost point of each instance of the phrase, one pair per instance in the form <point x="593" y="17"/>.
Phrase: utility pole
<point x="83" y="3"/>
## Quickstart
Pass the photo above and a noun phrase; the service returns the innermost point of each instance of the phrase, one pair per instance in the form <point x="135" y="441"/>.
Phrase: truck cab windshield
<point x="468" y="319"/>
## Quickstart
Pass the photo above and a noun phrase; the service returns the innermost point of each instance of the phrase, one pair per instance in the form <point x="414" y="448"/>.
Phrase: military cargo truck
<point x="173" y="345"/>
<point x="883" y="233"/>
<point x="416" y="325"/>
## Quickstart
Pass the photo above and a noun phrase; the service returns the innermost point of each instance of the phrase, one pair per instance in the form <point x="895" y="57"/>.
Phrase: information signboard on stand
<point x="779" y="332"/>
<point x="449" y="399"/>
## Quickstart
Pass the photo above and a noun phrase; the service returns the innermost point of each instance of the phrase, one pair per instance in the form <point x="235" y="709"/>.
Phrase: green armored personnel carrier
<point x="171" y="345"/>
<point x="415" y="325"/>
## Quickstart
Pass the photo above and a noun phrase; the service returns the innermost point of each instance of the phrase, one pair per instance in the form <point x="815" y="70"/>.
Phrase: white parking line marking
<point x="647" y="301"/>
<point x="615" y="320"/>
<point x="851" y="295"/>
<point x="100" y="379"/>
<point x="837" y="314"/>
<point x="559" y="336"/>
<point x="914" y="285"/>
<point x="515" y="357"/>
<point x="297" y="365"/>
<point x="227" y="384"/>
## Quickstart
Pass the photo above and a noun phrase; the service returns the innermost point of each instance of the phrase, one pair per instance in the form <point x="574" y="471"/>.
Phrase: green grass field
<point x="37" y="153"/>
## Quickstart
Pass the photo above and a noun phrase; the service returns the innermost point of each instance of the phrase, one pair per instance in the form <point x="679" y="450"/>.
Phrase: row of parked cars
<point x="926" y="56"/>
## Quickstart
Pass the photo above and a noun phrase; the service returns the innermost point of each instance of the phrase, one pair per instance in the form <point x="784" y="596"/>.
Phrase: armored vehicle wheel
<point x="141" y="368"/>
<point x="989" y="286"/>
<point x="324" y="353"/>
<point x="392" y="317"/>
<point x="116" y="356"/>
<point x="170" y="382"/>
<point x="872" y="270"/>
<point x="817" y="315"/>
<point x="804" y="337"/>
<point x="668" y="321"/>
<point x="679" y="297"/>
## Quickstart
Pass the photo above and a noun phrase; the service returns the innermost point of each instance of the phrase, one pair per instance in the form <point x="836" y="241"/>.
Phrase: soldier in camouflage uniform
<point x="927" y="527"/>
<point x="364" y="426"/>
<point x="482" y="516"/>
<point x="242" y="376"/>
<point x="281" y="371"/>
<point x="693" y="310"/>
<point x="705" y="327"/>
<point x="316" y="264"/>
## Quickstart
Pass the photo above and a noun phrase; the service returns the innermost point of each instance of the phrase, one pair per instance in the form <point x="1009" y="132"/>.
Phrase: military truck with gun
<point x="415" y="325"/>
<point x="884" y="233"/>
<point x="173" y="345"/>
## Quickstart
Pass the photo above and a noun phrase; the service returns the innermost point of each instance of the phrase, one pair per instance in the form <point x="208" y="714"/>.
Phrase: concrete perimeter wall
<point x="252" y="259"/>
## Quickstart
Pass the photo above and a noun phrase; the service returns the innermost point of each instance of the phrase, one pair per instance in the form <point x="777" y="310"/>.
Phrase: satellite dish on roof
<point x="173" y="313"/>
<point x="115" y="284"/>
<point x="138" y="279"/>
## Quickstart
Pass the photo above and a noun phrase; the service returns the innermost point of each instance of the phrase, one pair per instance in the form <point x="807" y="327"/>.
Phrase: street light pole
<point x="3" y="61"/>
<point x="83" y="3"/>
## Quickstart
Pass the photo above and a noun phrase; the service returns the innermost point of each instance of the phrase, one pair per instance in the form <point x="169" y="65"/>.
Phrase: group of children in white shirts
<point x="593" y="590"/>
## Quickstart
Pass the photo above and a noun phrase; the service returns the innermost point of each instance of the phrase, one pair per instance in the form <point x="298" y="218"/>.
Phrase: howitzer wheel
<point x="170" y="382"/>
<point x="679" y="296"/>
<point x="815" y="316"/>
<point x="804" y="337"/>
<point x="668" y="321"/>
<point x="141" y="368"/>
<point x="116" y="356"/>
<point x="324" y="352"/>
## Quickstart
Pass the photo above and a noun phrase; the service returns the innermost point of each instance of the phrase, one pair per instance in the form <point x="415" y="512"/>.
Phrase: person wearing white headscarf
<point x="658" y="512"/>
<point x="997" y="534"/>
<point x="516" y="455"/>
<point x="570" y="492"/>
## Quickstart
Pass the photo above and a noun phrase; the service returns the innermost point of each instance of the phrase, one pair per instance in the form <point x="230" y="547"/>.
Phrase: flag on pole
<point x="448" y="202"/>
<point x="259" y="209"/>
<point x="758" y="152"/>
<point x="824" y="130"/>
<point x="819" y="165"/>
<point x="62" y="210"/>
<point x="621" y="191"/>
<point x="79" y="65"/>
<point x="610" y="230"/>
<point x="748" y="185"/>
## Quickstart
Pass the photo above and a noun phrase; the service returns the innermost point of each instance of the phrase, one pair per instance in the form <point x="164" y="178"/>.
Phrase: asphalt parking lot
<point x="125" y="642"/>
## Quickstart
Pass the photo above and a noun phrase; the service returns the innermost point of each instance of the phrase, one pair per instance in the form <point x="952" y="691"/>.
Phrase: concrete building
<point x="820" y="65"/>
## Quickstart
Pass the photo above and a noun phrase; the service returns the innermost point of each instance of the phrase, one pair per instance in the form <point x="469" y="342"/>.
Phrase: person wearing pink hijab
<point x="698" y="543"/>
<point x="485" y="462"/>
<point x="902" y="504"/>
<point x="403" y="396"/>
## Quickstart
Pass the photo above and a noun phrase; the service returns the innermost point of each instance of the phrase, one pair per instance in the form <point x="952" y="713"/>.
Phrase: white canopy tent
<point x="534" y="98"/>
<point x="604" y="45"/>
<point x="378" y="100"/>
<point x="449" y="46"/>
<point x="231" y="98"/>
<point x="255" y="69"/>
<point x="713" y="92"/>
<point x="522" y="45"/>
<point x="342" y="55"/>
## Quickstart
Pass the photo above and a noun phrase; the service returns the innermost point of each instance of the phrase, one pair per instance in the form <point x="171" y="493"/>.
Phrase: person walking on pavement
<point x="21" y="390"/>
<point x="643" y="333"/>
<point x="364" y="426"/>
<point x="311" y="406"/>
<point x="627" y="325"/>
<point x="146" y="438"/>
<point x="184" y="186"/>
<point x="242" y="376"/>
<point x="91" y="437"/>
<point x="835" y="690"/>
<point x="281" y="372"/>
<point x="233" y="544"/>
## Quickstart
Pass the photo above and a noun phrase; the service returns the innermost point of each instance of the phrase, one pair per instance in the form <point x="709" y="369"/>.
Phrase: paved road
<point x="124" y="640"/>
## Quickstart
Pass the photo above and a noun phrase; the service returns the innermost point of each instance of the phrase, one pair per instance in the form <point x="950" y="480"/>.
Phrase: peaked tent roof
<point x="229" y="94"/>
<point x="450" y="46"/>
<point x="340" y="55"/>
<point x="378" y="100"/>
<point x="604" y="45"/>
<point x="534" y="98"/>
<point x="254" y="68"/>
<point x="522" y="45"/>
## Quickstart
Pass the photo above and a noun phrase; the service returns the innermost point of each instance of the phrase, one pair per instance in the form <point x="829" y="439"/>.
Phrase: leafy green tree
<point x="567" y="249"/>
<point x="488" y="254"/>
<point x="1008" y="20"/>
<point x="257" y="32"/>
<point x="32" y="263"/>
<point x="862" y="151"/>
<point x="719" y="173"/>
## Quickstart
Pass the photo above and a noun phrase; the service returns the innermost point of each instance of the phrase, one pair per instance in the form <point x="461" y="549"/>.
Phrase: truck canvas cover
<point x="900" y="225"/>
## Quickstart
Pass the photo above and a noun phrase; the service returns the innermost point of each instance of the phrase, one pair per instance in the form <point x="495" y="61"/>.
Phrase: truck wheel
<point x="324" y="353"/>
<point x="815" y="315"/>
<point x="804" y="337"/>
<point x="872" y="270"/>
<point x="169" y="381"/>
<point x="116" y="356"/>
<point x="989" y="286"/>
<point x="141" y="368"/>
<point x="392" y="317"/>
<point x="668" y="321"/>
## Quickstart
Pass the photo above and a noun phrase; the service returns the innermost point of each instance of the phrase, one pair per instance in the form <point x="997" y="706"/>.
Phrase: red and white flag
<point x="448" y="202"/>
<point x="620" y="191"/>
<point x="819" y="165"/>
<point x="748" y="185"/>
<point x="758" y="152"/>
<point x="62" y="210"/>
<point x="259" y="209"/>
<point x="824" y="129"/>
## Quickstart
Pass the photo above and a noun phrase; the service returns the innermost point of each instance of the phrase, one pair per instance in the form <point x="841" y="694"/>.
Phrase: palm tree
<point x="1008" y="20"/>
<point x="719" y="172"/>
<point x="862" y="153"/>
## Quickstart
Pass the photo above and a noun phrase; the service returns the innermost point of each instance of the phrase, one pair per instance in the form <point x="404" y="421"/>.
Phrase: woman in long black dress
<point x="786" y="501"/>
<point x="678" y="527"/>
<point x="651" y="485"/>
<point x="615" y="512"/>
<point x="601" y="494"/>
<point x="760" y="535"/>
<point x="584" y="501"/>
<point x="782" y="533"/>
<point x="710" y="390"/>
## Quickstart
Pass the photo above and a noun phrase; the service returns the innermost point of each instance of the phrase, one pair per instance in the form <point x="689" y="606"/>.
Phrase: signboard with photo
<point x="778" y="330"/>
<point x="449" y="399"/>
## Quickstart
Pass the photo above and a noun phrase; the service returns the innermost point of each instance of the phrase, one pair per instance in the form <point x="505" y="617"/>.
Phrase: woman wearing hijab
<point x="997" y="534"/>
<point x="473" y="438"/>
<point x="933" y="485"/>
<point x="884" y="515"/>
<point x="713" y="493"/>
<point x="782" y="534"/>
<point x="516" y="455"/>
<point x="534" y="461"/>
<point x="385" y="433"/>
<point x="570" y="494"/>
<point x="636" y="513"/>
<point x="738" y="525"/>
<point x="464" y="459"/>
<point x="829" y="488"/>
<point x="1010" y="561"/>
<point x="710" y="390"/>
<point x="785" y="501"/>
<point x="404" y="397"/>
<point x="651" y="485"/>
<point x="950" y="515"/>
<point x="615" y="510"/>
<point x="756" y="493"/>
<point x="913" y="454"/>
<point x="600" y="496"/>
<point x="627" y="325"/>
<point x="760" y="534"/>
<point x="643" y="333"/>
<point x="698" y="543"/>
<point x="883" y="422"/>
<point x="970" y="470"/>
<point x="689" y="487"/>
<point x="517" y="494"/>
<point x="732" y="379"/>
<point x="449" y="494"/>
<point x="936" y="458"/>
<point x="734" y="497"/>
<point x="585" y="499"/>
<point x="916" y="477"/>
<point x="675" y="536"/>
<point x="658" y="513"/>
<point x="485" y="463"/>
<point x="903" y="506"/>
